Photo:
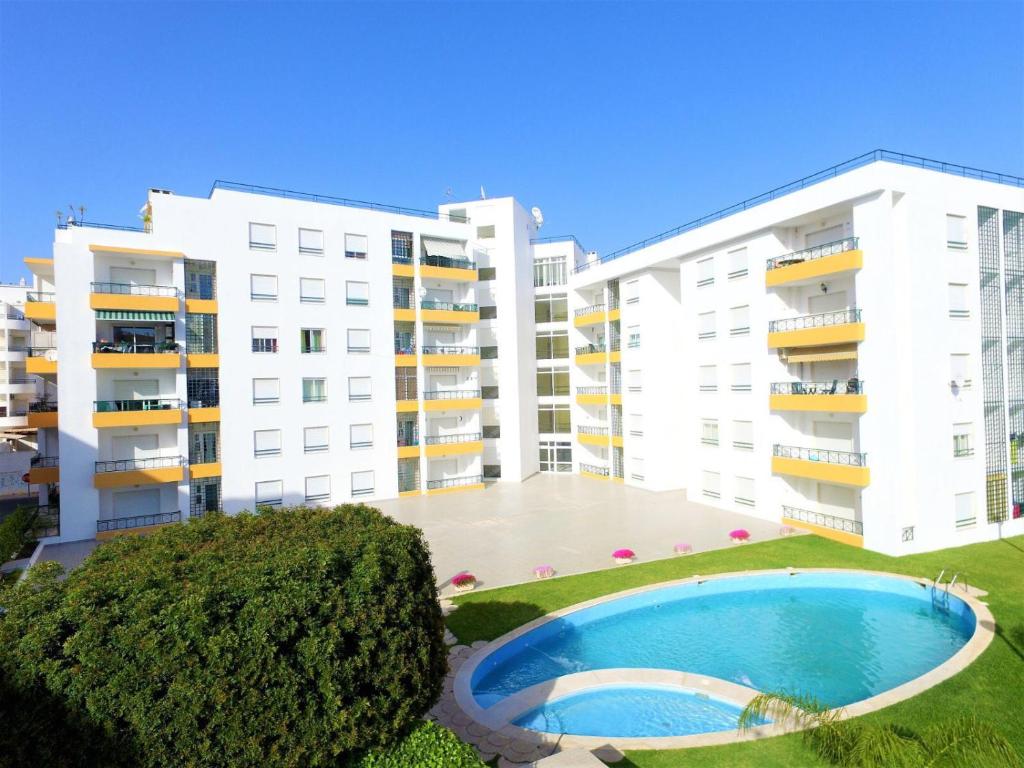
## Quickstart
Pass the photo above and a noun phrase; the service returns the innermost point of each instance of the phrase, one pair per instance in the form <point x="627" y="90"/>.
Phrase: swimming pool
<point x="841" y="637"/>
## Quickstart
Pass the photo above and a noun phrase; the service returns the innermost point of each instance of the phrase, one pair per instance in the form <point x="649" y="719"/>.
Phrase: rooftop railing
<point x="833" y="522"/>
<point x="558" y="239"/>
<point x="822" y="320"/>
<point x="467" y="437"/>
<point x="817" y="252"/>
<point x="130" y="289"/>
<point x="455" y="482"/>
<point x="446" y="261"/>
<point x="130" y="465"/>
<point x="823" y="455"/>
<point x="451" y="394"/>
<point x="97" y="225"/>
<point x="449" y="306"/>
<point x="137" y="521"/>
<point x="445" y="350"/>
<point x="137" y="404"/>
<point x="593" y="469"/>
<point x="834" y="387"/>
<point x="592" y="309"/>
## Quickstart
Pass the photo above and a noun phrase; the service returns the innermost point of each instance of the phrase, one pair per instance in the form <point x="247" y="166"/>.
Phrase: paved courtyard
<point x="568" y="522"/>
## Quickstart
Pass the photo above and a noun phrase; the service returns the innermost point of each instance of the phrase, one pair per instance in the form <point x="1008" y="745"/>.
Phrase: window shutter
<point x="311" y="241"/>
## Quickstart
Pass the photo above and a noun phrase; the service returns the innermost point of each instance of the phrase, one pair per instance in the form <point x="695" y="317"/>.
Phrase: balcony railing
<point x="585" y="430"/>
<point x="43" y="406"/>
<point x="825" y="521"/>
<point x="834" y="387"/>
<point x="446" y="261"/>
<point x="129" y="289"/>
<point x="590" y="349"/>
<point x="40" y="296"/>
<point x="592" y="390"/>
<point x="449" y="306"/>
<point x="823" y="455"/>
<point x="40" y="351"/>
<point x="593" y="469"/>
<point x="592" y="309"/>
<point x="400" y="259"/>
<point x="443" y="350"/>
<point x="130" y="465"/>
<point x="45" y="461"/>
<point x="137" y="404"/>
<point x="129" y="348"/>
<point x="823" y="320"/>
<point x="138" y="521"/>
<point x="455" y="482"/>
<point x="451" y="394"/>
<point x="408" y="442"/>
<point x="817" y="252"/>
<point x="467" y="437"/>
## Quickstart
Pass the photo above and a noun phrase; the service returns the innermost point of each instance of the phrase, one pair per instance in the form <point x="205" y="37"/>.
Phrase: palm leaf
<point x="968" y="742"/>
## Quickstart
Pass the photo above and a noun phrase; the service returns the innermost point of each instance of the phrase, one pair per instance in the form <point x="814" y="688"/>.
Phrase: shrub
<point x="295" y="637"/>
<point x="427" y="746"/>
<point x="15" y="532"/>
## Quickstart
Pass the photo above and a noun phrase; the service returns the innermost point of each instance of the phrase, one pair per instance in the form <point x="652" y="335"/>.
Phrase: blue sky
<point x="618" y="120"/>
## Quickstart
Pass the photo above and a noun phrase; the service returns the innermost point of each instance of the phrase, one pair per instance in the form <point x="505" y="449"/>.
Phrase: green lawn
<point x="992" y="688"/>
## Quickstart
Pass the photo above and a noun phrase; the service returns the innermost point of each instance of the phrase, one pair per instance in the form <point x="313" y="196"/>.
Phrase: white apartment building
<point x="844" y="355"/>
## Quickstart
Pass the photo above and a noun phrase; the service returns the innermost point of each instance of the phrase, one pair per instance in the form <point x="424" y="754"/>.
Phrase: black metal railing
<point x="584" y="430"/>
<point x="446" y="261"/>
<point x="833" y="522"/>
<point x="40" y="296"/>
<point x="45" y="461"/>
<point x="593" y="469"/>
<point x="137" y="404"/>
<point x="138" y="521"/>
<point x="834" y="387"/>
<point x="592" y="390"/>
<point x="130" y="289"/>
<point x="591" y="310"/>
<point x="455" y="482"/>
<point x="451" y="394"/>
<point x="822" y="455"/>
<point x="822" y="320"/>
<point x="130" y="465"/>
<point x="590" y="349"/>
<point x="43" y="406"/>
<point x="467" y="437"/>
<point x="444" y="350"/>
<point x="817" y="252"/>
<point x="450" y="306"/>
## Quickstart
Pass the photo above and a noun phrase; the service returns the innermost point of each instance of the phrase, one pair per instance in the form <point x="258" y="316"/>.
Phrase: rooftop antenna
<point x="448" y="193"/>
<point x="538" y="217"/>
<point x="483" y="194"/>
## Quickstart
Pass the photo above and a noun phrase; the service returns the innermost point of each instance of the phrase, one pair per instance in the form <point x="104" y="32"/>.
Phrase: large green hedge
<point x="297" y="637"/>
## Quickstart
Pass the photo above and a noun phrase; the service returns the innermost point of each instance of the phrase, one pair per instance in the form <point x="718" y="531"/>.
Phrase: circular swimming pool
<point x="839" y="636"/>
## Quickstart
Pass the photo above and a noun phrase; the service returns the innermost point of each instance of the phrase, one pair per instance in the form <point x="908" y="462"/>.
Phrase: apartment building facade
<point x="845" y="357"/>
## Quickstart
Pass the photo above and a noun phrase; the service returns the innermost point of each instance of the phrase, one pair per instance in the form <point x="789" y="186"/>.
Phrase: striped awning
<point x="118" y="314"/>
<point x="821" y="354"/>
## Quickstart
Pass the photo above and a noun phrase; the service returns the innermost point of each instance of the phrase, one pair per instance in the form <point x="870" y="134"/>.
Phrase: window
<point x="956" y="231"/>
<point x="314" y="390"/>
<point x="355" y="247"/>
<point x="203" y="439"/>
<point x="358" y="388"/>
<point x="963" y="504"/>
<point x="262" y="237"/>
<point x="401" y="247"/>
<point x="202" y="386"/>
<point x="357" y="293"/>
<point x="551" y="309"/>
<point x="360" y="436"/>
<point x="705" y="272"/>
<point x="489" y="353"/>
<point x="636" y="425"/>
<point x="312" y="290"/>
<point x="311" y="340"/>
<point x="555" y="456"/>
<point x="264" y="338"/>
<point x="744" y="491"/>
<point x="708" y="378"/>
<point x="553" y="419"/>
<point x="263" y="287"/>
<point x="266" y="391"/>
<point x="553" y="345"/>
<point x="315" y="439"/>
<point x="269" y="493"/>
<point x="633" y="336"/>
<point x="553" y="382"/>
<point x="549" y="270"/>
<point x="737" y="264"/>
<point x="311" y="241"/>
<point x="958" y="306"/>
<point x="739" y="321"/>
<point x="631" y="293"/>
<point x="741" y="377"/>
<point x="635" y="380"/>
<point x="201" y="333"/>
<point x="709" y="431"/>
<point x="489" y="393"/>
<point x="483" y="274"/>
<point x="962" y="443"/>
<point x="711" y="484"/>
<point x="485" y="233"/>
<point x="318" y="489"/>
<point x="960" y="370"/>
<point x="267" y="442"/>
<point x="358" y="340"/>
<point x="362" y="483"/>
<point x="492" y="431"/>
<point x="488" y="313"/>
<point x="706" y="325"/>
<point x="743" y="435"/>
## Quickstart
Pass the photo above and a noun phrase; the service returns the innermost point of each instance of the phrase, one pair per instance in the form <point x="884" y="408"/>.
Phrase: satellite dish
<point x="537" y="216"/>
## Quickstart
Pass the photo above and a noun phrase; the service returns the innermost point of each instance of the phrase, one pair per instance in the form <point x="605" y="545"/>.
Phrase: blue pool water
<point x="632" y="711"/>
<point x="839" y="637"/>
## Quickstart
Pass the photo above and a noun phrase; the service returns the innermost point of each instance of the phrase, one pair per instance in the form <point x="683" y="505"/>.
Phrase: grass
<point x="992" y="688"/>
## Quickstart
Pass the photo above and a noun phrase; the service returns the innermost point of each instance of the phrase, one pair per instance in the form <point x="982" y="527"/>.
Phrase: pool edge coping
<point x="979" y="641"/>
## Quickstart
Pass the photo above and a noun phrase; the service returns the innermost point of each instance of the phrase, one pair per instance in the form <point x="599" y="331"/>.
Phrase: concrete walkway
<point x="569" y="522"/>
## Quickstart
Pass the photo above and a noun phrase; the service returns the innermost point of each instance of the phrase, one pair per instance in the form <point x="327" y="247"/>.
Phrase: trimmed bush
<point x="295" y="637"/>
<point x="427" y="746"/>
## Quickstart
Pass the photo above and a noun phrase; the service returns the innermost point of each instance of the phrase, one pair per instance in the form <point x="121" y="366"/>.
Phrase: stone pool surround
<point x="497" y="719"/>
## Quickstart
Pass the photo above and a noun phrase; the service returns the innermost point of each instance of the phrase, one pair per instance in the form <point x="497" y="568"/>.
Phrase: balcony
<point x="402" y="262"/>
<point x="592" y="354"/>
<point x="137" y="412"/>
<point x="842" y="327"/>
<point x="42" y="415"/>
<point x="837" y="467"/>
<point x="41" y="360"/>
<point x="452" y="400"/>
<point x="468" y="483"/>
<point x="408" y="447"/>
<point x="125" y="354"/>
<point x="812" y="264"/>
<point x="832" y="527"/>
<point x="44" y="470"/>
<point x="594" y="471"/>
<point x="448" y="268"/>
<point x="588" y="435"/>
<point x="119" y="473"/>
<point x="139" y="524"/>
<point x="449" y="312"/>
<point x="134" y="298"/>
<point x="403" y="306"/>
<point x="592" y="395"/>
<point x="453" y="445"/>
<point x="592" y="315"/>
<point x="41" y="306"/>
<point x="450" y="356"/>
<point x="820" y="396"/>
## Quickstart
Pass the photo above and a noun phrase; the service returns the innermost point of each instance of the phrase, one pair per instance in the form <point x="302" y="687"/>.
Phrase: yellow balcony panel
<point x="41" y="310"/>
<point x="819" y="403"/>
<point x="134" y="360"/>
<point x="592" y="358"/>
<point x="616" y="441"/>
<point x="815" y="269"/>
<point x="202" y="360"/>
<point x="838" y="474"/>
<point x="615" y="399"/>
<point x="199" y="471"/>
<point x="44" y="475"/>
<point x="853" y="539"/>
<point x="448" y="273"/>
<point x="454" y="449"/>
<point x="450" y="361"/>
<point x="39" y="266"/>
<point x="587" y="439"/>
<point x="614" y="315"/>
<point x="591" y="318"/>
<point x="201" y="306"/>
<point x="96" y="248"/>
<point x="826" y="335"/>
<point x="461" y="404"/>
<point x="448" y="316"/>
<point x="407" y="494"/>
<point x="455" y="489"/>
<point x="108" y="419"/>
<point x="42" y="419"/>
<point x="592" y="475"/>
<point x="405" y="315"/>
<point x="405" y="361"/>
<point x="138" y="477"/>
<point x="407" y="406"/>
<point x="592" y="399"/>
<point x="402" y="270"/>
<point x="128" y="302"/>
<point x="408" y="451"/>
<point x="40" y="365"/>
<point x="203" y="415"/>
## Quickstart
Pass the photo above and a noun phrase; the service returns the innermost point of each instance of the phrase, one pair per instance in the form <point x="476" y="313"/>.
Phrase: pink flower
<point x="463" y="578"/>
<point x="543" y="571"/>
<point x="682" y="548"/>
<point x="623" y="554"/>
<point x="740" y="534"/>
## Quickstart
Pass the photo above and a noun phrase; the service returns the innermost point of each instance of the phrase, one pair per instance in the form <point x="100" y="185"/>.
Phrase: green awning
<point x="117" y="314"/>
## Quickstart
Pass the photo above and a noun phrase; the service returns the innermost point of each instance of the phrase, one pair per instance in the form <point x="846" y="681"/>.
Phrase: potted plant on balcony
<point x="623" y="556"/>
<point x="169" y="346"/>
<point x="464" y="581"/>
